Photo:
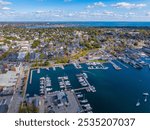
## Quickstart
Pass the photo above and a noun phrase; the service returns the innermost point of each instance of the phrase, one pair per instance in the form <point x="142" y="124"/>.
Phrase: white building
<point x="21" y="55"/>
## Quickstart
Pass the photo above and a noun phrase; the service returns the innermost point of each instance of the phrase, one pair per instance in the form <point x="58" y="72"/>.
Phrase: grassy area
<point x="82" y="53"/>
<point x="27" y="108"/>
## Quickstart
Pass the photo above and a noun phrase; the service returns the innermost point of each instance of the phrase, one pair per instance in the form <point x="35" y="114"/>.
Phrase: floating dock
<point x="89" y="87"/>
<point x="31" y="76"/>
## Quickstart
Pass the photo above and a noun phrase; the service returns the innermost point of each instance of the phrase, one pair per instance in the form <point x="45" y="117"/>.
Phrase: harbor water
<point x="116" y="90"/>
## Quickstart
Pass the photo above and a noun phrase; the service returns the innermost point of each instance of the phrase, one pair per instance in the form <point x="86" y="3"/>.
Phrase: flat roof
<point x="8" y="79"/>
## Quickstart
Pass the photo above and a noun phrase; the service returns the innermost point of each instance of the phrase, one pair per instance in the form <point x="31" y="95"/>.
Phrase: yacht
<point x="85" y="75"/>
<point x="86" y="105"/>
<point x="38" y="71"/>
<point x="79" y="95"/>
<point x="138" y="103"/>
<point x="41" y="87"/>
<point x="145" y="100"/>
<point x="84" y="101"/>
<point x="61" y="86"/>
<point x="145" y="94"/>
<point x="65" y="77"/>
<point x="49" y="89"/>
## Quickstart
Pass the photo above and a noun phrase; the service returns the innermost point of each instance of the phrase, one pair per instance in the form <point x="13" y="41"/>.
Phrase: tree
<point x="35" y="44"/>
<point x="27" y="58"/>
<point x="46" y="63"/>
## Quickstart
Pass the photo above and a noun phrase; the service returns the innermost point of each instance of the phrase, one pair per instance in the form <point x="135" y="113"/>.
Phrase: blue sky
<point x="74" y="10"/>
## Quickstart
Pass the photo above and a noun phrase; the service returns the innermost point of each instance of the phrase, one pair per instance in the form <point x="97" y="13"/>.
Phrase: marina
<point x="93" y="87"/>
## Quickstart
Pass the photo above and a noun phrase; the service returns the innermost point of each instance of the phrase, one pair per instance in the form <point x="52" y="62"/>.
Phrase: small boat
<point x="27" y="95"/>
<point x="42" y="78"/>
<point x="41" y="87"/>
<point x="49" y="89"/>
<point x="41" y="90"/>
<point x="88" y="108"/>
<point x="38" y="71"/>
<point x="86" y="105"/>
<point x="47" y="68"/>
<point x="84" y="101"/>
<point x="145" y="100"/>
<point x="138" y="103"/>
<point x="85" y="75"/>
<point x="80" y="95"/>
<point x="65" y="77"/>
<point x="67" y="83"/>
<point x="61" y="86"/>
<point x="145" y="94"/>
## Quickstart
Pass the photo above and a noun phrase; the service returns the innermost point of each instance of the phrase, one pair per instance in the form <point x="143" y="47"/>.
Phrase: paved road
<point x="17" y="97"/>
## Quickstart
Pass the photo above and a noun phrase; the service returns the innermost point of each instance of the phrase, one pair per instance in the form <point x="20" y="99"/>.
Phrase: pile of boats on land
<point x="45" y="85"/>
<point x="145" y="99"/>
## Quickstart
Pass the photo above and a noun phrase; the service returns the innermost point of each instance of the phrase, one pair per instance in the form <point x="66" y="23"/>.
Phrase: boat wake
<point x="90" y="73"/>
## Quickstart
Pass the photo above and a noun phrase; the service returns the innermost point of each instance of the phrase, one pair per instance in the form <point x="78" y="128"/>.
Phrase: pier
<point x="60" y="66"/>
<point x="122" y="64"/>
<point x="77" y="65"/>
<point x="90" y="88"/>
<point x="85" y="88"/>
<point x="31" y="76"/>
<point x="114" y="65"/>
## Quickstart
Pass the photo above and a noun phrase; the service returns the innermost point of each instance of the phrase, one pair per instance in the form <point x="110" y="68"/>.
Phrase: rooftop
<point x="8" y="79"/>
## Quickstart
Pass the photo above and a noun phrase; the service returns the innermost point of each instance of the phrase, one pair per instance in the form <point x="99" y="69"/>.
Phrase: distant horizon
<point x="77" y="21"/>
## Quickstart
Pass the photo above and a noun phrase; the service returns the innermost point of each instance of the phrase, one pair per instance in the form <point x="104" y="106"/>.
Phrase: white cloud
<point x="5" y="8"/>
<point x="128" y="5"/>
<point x="3" y="5"/>
<point x="148" y="14"/>
<point x="2" y="2"/>
<point x="108" y="12"/>
<point x="96" y="4"/>
<point x="131" y="13"/>
<point x="67" y="0"/>
<point x="39" y="12"/>
<point x="100" y="4"/>
<point x="90" y="6"/>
